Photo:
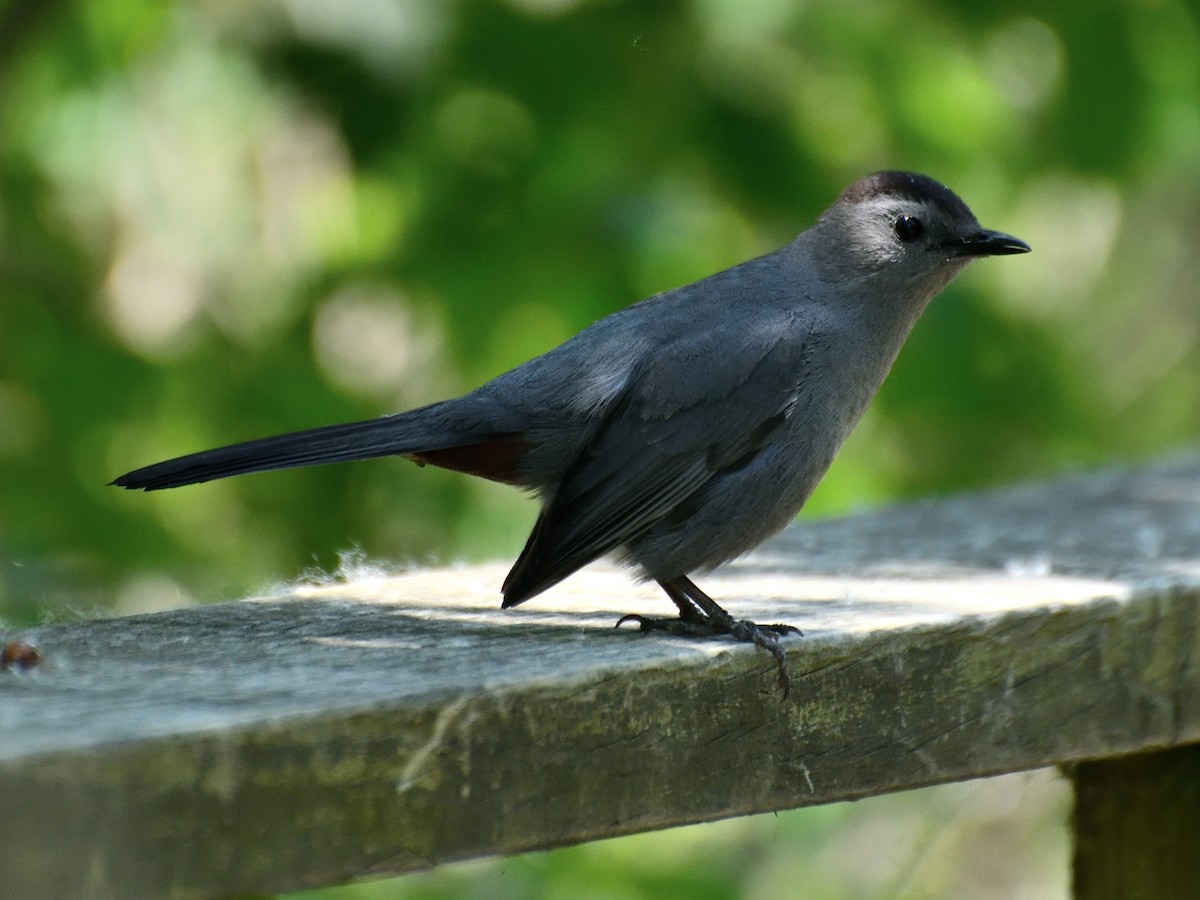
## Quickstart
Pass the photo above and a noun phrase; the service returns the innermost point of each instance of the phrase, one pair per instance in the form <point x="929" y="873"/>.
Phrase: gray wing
<point x="701" y="405"/>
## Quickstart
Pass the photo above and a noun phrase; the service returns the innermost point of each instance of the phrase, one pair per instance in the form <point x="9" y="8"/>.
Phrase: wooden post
<point x="1137" y="826"/>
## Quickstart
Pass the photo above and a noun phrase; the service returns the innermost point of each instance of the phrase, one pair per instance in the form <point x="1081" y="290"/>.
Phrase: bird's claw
<point x="765" y="636"/>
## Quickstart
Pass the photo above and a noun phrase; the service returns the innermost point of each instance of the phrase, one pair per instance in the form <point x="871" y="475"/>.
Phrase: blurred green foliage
<point x="222" y="220"/>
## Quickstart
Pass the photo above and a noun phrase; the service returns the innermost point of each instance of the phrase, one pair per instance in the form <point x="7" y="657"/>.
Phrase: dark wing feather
<point x="693" y="411"/>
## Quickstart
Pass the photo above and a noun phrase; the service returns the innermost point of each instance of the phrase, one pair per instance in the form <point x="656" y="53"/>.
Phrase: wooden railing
<point x="391" y="723"/>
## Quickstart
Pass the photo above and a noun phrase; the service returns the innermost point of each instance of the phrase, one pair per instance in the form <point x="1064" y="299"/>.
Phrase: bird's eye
<point x="908" y="228"/>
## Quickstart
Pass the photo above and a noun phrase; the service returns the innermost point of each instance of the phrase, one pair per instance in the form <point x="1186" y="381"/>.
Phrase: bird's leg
<point x="692" y="621"/>
<point x="701" y="616"/>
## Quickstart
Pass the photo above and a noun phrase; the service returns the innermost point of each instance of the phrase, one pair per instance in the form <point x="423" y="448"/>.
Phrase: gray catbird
<point x="682" y="431"/>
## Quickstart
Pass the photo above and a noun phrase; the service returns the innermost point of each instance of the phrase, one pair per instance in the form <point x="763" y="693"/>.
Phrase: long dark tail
<point x="403" y="434"/>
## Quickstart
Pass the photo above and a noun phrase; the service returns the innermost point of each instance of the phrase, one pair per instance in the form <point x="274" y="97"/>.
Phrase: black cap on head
<point x="910" y="186"/>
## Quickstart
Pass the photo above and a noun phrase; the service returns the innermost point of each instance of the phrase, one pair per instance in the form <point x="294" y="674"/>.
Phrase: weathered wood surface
<point x="391" y="723"/>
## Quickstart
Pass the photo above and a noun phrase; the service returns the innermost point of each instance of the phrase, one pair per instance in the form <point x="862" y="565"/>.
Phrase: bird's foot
<point x="680" y="627"/>
<point x="698" y="625"/>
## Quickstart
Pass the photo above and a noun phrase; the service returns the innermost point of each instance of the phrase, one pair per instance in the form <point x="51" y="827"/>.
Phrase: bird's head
<point x="905" y="228"/>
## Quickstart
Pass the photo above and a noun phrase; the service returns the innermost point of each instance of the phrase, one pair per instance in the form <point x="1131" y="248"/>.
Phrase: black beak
<point x="987" y="243"/>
